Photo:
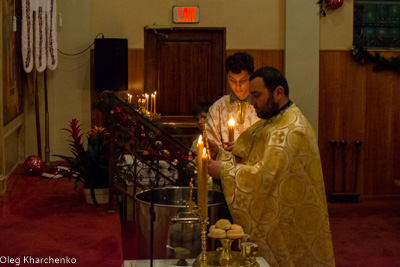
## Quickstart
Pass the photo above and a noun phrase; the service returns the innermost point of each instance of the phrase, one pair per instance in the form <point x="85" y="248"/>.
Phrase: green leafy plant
<point x="363" y="56"/>
<point x="89" y="164"/>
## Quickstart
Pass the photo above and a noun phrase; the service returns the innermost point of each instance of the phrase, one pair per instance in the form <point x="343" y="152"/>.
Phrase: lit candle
<point x="147" y="101"/>
<point x="202" y="197"/>
<point x="152" y="102"/>
<point x="130" y="98"/>
<point x="200" y="175"/>
<point x="231" y="128"/>
<point x="155" y="105"/>
<point x="200" y="146"/>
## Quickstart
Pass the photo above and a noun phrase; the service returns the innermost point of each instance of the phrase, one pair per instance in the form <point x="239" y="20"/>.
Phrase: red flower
<point x="75" y="131"/>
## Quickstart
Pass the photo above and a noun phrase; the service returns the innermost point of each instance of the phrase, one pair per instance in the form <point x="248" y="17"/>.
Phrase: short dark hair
<point x="272" y="78"/>
<point x="201" y="107"/>
<point x="238" y="62"/>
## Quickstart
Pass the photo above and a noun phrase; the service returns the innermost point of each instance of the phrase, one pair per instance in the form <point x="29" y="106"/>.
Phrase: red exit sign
<point x="185" y="14"/>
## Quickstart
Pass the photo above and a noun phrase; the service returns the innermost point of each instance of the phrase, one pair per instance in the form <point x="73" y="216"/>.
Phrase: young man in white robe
<point x="238" y="67"/>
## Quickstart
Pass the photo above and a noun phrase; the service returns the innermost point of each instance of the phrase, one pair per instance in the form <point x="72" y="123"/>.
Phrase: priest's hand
<point x="214" y="168"/>
<point x="228" y="146"/>
<point x="214" y="148"/>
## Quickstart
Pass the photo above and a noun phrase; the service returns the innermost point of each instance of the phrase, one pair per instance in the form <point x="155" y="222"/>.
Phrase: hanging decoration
<point x="362" y="56"/>
<point x="325" y="5"/>
<point x="45" y="31"/>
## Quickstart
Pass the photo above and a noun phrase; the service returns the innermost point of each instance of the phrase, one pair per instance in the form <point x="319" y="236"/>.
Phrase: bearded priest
<point x="272" y="180"/>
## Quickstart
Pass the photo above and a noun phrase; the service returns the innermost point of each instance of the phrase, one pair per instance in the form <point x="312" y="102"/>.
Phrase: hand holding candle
<point x="231" y="128"/>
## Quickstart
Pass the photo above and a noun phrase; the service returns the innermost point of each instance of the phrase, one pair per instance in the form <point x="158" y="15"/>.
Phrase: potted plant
<point x="89" y="162"/>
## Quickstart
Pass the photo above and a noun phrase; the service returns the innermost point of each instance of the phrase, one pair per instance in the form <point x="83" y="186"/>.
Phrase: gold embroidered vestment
<point x="274" y="188"/>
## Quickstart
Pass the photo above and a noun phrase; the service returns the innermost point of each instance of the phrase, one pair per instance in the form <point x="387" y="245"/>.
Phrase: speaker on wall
<point x="110" y="64"/>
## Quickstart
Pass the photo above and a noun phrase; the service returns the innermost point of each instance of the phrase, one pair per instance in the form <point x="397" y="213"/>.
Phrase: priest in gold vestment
<point x="272" y="180"/>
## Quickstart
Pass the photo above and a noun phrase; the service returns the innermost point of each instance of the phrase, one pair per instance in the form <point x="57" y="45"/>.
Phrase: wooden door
<point x="185" y="66"/>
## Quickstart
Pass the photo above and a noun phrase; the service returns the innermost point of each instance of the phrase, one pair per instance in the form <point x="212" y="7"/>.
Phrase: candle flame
<point x="146" y="95"/>
<point x="231" y="121"/>
<point x="200" y="140"/>
<point x="204" y="153"/>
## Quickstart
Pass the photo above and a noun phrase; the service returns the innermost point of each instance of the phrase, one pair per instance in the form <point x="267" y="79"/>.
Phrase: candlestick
<point x="200" y="146"/>
<point x="202" y="197"/>
<point x="231" y="128"/>
<point x="200" y="170"/>
<point x="155" y="104"/>
<point x="141" y="101"/>
<point x="152" y="103"/>
<point x="147" y="101"/>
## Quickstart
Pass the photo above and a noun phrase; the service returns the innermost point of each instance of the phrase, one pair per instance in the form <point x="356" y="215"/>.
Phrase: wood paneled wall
<point x="135" y="71"/>
<point x="355" y="104"/>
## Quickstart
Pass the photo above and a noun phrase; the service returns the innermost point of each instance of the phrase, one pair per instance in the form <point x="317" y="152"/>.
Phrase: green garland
<point x="362" y="56"/>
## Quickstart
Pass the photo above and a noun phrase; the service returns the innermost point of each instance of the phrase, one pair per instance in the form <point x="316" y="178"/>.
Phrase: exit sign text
<point x="185" y="14"/>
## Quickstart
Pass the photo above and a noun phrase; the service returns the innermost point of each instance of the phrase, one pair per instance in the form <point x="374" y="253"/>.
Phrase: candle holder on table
<point x="191" y="206"/>
<point x="222" y="256"/>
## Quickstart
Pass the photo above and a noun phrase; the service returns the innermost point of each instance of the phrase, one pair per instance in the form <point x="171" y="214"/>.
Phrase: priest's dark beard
<point x="268" y="110"/>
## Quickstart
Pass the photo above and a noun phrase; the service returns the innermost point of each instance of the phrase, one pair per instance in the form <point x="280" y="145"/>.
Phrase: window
<point x="377" y="24"/>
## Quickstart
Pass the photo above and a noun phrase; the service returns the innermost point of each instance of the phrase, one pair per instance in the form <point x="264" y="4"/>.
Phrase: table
<point x="170" y="263"/>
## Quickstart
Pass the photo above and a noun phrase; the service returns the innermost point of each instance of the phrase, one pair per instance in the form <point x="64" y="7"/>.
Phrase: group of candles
<point x="143" y="101"/>
<point x="202" y="170"/>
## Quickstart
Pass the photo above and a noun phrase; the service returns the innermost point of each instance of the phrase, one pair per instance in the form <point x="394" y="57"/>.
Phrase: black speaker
<point x="110" y="64"/>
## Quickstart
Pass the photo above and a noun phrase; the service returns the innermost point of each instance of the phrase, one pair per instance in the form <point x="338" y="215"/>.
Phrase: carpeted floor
<point x="366" y="234"/>
<point x="47" y="221"/>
